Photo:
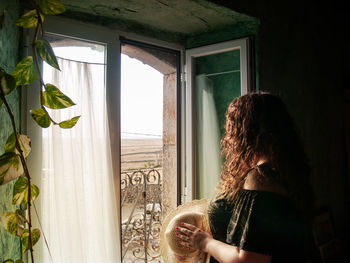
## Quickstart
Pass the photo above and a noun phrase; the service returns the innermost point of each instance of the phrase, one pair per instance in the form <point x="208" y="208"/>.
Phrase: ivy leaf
<point x="25" y="238"/>
<point x="69" y="123"/>
<point x="25" y="71"/>
<point x="53" y="98"/>
<point x="10" y="167"/>
<point x="13" y="223"/>
<point x="40" y="117"/>
<point x="45" y="51"/>
<point x="51" y="7"/>
<point x="8" y="83"/>
<point x="20" y="191"/>
<point x="29" y="19"/>
<point x="11" y="261"/>
<point x="24" y="143"/>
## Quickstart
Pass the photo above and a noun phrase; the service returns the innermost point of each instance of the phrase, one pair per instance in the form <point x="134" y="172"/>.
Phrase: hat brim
<point x="195" y="206"/>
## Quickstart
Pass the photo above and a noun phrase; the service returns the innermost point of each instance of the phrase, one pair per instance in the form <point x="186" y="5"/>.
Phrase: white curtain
<point x="208" y="160"/>
<point x="78" y="206"/>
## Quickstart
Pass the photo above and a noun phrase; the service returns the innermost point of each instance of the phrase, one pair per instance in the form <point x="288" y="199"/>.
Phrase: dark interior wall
<point x="9" y="43"/>
<point x="301" y="58"/>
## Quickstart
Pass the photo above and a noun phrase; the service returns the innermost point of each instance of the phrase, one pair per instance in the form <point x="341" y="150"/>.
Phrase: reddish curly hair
<point x="258" y="125"/>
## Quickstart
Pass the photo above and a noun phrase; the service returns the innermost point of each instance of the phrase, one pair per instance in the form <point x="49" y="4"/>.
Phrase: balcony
<point x="141" y="204"/>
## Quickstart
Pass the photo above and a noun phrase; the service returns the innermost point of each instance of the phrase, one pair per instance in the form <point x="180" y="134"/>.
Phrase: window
<point x="83" y="169"/>
<point x="216" y="74"/>
<point x="149" y="145"/>
<point x="178" y="160"/>
<point x="77" y="208"/>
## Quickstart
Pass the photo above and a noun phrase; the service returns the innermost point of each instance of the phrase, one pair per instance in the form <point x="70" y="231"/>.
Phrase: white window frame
<point x="189" y="136"/>
<point x="90" y="33"/>
<point x="109" y="38"/>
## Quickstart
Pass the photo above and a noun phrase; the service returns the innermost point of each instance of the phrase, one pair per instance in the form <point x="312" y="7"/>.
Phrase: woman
<point x="260" y="213"/>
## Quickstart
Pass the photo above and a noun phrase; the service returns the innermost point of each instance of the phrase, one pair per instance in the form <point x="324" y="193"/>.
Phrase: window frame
<point x="89" y="33"/>
<point x="111" y="39"/>
<point x="247" y="85"/>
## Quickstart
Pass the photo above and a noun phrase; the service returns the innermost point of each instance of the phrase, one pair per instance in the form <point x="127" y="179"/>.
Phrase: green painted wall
<point x="246" y="28"/>
<point x="239" y="30"/>
<point x="226" y="86"/>
<point x="9" y="43"/>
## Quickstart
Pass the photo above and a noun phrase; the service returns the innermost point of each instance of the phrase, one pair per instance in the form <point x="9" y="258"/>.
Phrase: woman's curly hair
<point x="258" y="125"/>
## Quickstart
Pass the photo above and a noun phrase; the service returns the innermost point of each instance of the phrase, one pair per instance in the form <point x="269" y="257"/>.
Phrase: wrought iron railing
<point x="141" y="215"/>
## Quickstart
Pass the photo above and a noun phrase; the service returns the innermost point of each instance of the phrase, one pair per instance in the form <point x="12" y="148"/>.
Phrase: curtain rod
<point x="220" y="73"/>
<point x="92" y="63"/>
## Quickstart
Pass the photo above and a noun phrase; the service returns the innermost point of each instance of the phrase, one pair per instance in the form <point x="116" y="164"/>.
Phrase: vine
<point x="13" y="165"/>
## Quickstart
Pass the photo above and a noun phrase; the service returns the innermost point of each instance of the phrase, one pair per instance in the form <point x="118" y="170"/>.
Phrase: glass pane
<point x="78" y="207"/>
<point x="217" y="82"/>
<point x="148" y="148"/>
<point x="74" y="49"/>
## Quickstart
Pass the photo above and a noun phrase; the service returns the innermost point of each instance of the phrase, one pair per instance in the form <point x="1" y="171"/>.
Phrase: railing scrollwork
<point x="141" y="215"/>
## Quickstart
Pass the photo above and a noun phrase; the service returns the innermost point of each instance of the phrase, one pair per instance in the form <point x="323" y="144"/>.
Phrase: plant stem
<point x="35" y="56"/>
<point x="25" y="167"/>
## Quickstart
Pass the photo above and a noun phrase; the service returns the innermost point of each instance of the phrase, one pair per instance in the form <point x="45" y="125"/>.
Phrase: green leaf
<point x="40" y="117"/>
<point x="11" y="261"/>
<point x="8" y="83"/>
<point x="25" y="238"/>
<point x="10" y="167"/>
<point x="53" y="98"/>
<point x="20" y="191"/>
<point x="51" y="7"/>
<point x="13" y="223"/>
<point x="45" y="51"/>
<point x="25" y="71"/>
<point x="69" y="123"/>
<point x="29" y="19"/>
<point x="24" y="143"/>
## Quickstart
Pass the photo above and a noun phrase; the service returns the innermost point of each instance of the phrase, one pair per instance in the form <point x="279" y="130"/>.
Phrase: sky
<point x="141" y="92"/>
<point x="141" y="99"/>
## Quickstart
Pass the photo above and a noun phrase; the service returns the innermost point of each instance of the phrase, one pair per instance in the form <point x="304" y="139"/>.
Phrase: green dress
<point x="262" y="222"/>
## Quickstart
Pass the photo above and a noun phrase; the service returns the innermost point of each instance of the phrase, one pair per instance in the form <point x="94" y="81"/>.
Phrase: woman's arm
<point x="194" y="237"/>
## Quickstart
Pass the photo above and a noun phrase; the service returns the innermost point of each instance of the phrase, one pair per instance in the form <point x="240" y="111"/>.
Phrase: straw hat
<point x="194" y="213"/>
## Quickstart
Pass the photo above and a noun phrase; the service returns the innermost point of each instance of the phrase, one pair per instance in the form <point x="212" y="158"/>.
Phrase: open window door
<point x="215" y="75"/>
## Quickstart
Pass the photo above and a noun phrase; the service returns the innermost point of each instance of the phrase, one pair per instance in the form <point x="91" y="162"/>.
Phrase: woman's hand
<point x="192" y="236"/>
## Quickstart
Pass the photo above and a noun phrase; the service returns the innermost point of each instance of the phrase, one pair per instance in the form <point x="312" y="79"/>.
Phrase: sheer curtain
<point x="78" y="206"/>
<point x="208" y="160"/>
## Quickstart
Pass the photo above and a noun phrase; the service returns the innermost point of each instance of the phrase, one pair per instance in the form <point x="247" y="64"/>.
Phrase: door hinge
<point x="183" y="76"/>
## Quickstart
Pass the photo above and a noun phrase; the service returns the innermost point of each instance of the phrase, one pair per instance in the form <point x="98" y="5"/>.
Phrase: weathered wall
<point x="301" y="51"/>
<point x="169" y="192"/>
<point x="9" y="39"/>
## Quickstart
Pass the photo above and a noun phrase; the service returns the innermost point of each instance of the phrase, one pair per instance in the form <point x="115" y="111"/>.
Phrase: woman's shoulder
<point x="220" y="203"/>
<point x="264" y="178"/>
